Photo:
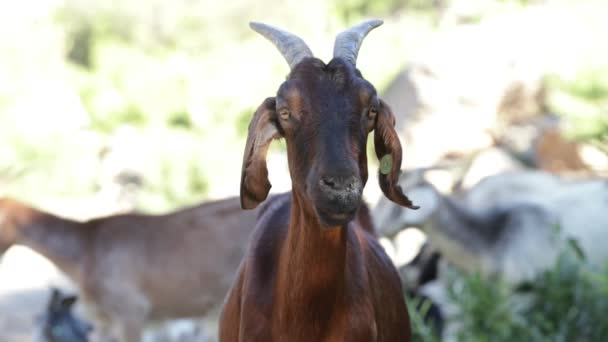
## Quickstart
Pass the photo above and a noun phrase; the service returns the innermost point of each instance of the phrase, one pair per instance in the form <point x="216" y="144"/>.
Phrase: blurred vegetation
<point x="183" y="78"/>
<point x="422" y="331"/>
<point x="584" y="101"/>
<point x="579" y="91"/>
<point x="565" y="303"/>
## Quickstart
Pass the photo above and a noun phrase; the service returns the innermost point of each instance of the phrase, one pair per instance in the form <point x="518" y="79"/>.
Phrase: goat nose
<point x="339" y="183"/>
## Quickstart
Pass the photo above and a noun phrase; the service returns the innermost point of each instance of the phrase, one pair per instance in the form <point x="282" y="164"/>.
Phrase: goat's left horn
<point x="348" y="42"/>
<point x="292" y="47"/>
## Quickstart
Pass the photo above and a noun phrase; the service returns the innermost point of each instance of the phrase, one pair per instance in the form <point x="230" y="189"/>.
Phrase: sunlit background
<point x="113" y="106"/>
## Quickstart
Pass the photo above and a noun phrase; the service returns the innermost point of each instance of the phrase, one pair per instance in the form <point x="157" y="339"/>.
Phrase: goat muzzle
<point x="338" y="199"/>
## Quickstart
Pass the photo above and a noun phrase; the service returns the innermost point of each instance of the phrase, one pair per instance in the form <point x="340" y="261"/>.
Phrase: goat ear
<point x="254" y="174"/>
<point x="54" y="301"/>
<point x="69" y="301"/>
<point x="388" y="150"/>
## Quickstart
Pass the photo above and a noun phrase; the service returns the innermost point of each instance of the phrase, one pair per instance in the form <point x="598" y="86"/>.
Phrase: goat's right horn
<point x="292" y="47"/>
<point x="348" y="42"/>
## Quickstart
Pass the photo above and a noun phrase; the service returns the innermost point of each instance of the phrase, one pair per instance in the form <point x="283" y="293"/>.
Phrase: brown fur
<point x="133" y="268"/>
<point x="301" y="279"/>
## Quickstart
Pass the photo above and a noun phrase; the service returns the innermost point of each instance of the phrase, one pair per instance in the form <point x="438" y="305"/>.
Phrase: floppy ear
<point x="254" y="174"/>
<point x="388" y="150"/>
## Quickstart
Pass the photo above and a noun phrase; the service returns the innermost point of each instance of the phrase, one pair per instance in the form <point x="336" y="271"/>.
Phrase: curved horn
<point x="292" y="47"/>
<point x="348" y="42"/>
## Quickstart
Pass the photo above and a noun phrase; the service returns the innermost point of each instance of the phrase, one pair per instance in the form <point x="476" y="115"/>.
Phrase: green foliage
<point x="351" y="10"/>
<point x="421" y="332"/>
<point x="488" y="311"/>
<point x="39" y="165"/>
<point x="565" y="303"/>
<point x="583" y="100"/>
<point x="570" y="302"/>
<point x="175" y="72"/>
<point x="173" y="169"/>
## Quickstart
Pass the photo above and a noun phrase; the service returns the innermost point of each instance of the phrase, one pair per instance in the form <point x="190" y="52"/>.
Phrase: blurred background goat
<point x="58" y="323"/>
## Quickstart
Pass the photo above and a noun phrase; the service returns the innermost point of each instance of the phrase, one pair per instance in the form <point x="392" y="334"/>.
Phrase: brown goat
<point x="132" y="268"/>
<point x="313" y="271"/>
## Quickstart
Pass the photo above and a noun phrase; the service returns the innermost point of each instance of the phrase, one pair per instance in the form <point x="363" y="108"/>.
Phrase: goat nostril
<point x="329" y="182"/>
<point x="339" y="184"/>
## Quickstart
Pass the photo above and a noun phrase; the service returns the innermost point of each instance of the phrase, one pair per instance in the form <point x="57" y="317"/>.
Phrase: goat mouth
<point x="334" y="219"/>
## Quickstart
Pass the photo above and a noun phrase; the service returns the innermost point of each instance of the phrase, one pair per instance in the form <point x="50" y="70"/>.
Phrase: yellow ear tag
<point x="386" y="164"/>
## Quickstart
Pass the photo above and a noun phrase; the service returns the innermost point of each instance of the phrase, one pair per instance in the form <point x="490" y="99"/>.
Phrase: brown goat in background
<point x="313" y="271"/>
<point x="133" y="268"/>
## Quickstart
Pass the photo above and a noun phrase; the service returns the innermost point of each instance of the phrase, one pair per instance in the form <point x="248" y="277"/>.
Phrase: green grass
<point x="568" y="302"/>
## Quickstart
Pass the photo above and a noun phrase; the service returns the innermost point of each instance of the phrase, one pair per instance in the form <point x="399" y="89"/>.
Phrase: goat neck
<point x="317" y="266"/>
<point x="60" y="240"/>
<point x="458" y="222"/>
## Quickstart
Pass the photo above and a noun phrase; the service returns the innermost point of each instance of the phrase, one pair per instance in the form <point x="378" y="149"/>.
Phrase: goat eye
<point x="284" y="114"/>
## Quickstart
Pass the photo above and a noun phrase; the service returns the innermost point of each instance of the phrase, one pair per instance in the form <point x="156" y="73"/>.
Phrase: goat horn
<point x="348" y="42"/>
<point x="292" y="47"/>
